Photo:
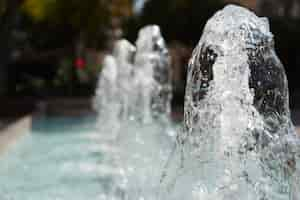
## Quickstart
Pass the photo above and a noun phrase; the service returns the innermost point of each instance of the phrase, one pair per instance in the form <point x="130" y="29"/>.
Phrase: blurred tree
<point x="60" y="30"/>
<point x="279" y="8"/>
<point x="181" y="20"/>
<point x="121" y="8"/>
<point x="90" y="18"/>
<point x="8" y="21"/>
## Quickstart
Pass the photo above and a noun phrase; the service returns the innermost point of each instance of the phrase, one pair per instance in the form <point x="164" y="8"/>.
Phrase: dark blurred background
<point x="54" y="48"/>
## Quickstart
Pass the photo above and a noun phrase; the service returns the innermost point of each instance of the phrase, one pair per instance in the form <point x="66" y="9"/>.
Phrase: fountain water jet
<point x="238" y="141"/>
<point x="106" y="101"/>
<point x="112" y="100"/>
<point x="153" y="75"/>
<point x="153" y="93"/>
<point x="143" y="94"/>
<point x="140" y="79"/>
<point x="124" y="53"/>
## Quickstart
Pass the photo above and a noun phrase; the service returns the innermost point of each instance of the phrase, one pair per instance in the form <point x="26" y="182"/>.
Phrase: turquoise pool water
<point x="58" y="160"/>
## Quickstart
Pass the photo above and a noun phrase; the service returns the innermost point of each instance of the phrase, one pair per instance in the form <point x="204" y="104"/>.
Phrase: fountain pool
<point x="66" y="158"/>
<point x="56" y="161"/>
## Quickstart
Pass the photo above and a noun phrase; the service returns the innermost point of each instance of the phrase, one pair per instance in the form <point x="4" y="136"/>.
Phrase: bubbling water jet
<point x="124" y="53"/>
<point x="140" y="78"/>
<point x="141" y="112"/>
<point x="238" y="141"/>
<point x="153" y="74"/>
<point x="145" y="142"/>
<point x="112" y="99"/>
<point x="106" y="99"/>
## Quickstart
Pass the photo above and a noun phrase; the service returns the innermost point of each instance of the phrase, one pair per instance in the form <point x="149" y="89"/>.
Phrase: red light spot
<point x="79" y="63"/>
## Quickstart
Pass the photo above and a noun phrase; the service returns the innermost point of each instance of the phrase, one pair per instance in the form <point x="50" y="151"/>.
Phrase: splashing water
<point x="112" y="100"/>
<point x="124" y="53"/>
<point x="136" y="83"/>
<point x="144" y="144"/>
<point x="153" y="75"/>
<point x="238" y="141"/>
<point x="140" y="126"/>
<point x="106" y="101"/>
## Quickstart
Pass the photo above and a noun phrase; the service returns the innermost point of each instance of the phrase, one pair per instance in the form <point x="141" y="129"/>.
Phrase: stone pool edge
<point x="13" y="132"/>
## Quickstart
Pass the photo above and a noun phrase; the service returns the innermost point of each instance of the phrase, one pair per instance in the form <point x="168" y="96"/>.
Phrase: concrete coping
<point x="14" y="131"/>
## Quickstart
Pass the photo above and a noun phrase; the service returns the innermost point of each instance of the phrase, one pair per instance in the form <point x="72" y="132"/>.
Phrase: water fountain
<point x="238" y="140"/>
<point x="142" y="92"/>
<point x="137" y="84"/>
<point x="112" y="99"/>
<point x="124" y="53"/>
<point x="150" y="132"/>
<point x="153" y="75"/>
<point x="106" y="101"/>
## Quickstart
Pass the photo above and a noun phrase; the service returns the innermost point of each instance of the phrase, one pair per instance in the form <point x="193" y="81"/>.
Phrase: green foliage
<point x="37" y="9"/>
<point x="2" y="7"/>
<point x="89" y="18"/>
<point x="64" y="74"/>
<point x="81" y="14"/>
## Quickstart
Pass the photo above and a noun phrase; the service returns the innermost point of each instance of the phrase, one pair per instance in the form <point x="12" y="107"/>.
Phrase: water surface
<point x="57" y="161"/>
